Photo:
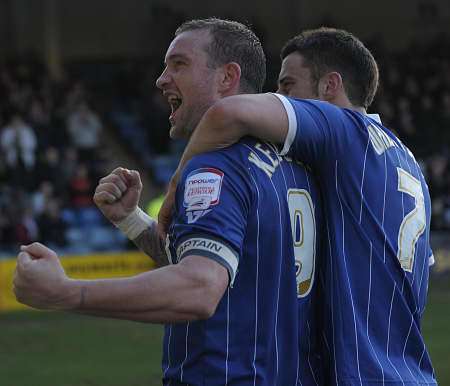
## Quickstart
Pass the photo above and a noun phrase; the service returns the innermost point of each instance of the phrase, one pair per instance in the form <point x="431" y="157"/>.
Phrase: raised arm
<point x="117" y="196"/>
<point x="229" y="119"/>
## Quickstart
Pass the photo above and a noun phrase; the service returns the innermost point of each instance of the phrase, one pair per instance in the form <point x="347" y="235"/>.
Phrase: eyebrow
<point x="175" y="57"/>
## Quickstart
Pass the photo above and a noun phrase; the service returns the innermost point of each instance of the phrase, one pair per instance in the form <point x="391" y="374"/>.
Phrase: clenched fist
<point x="117" y="194"/>
<point x="40" y="280"/>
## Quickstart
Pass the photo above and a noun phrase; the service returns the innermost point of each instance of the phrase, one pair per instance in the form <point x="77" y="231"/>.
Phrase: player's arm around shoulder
<point x="231" y="118"/>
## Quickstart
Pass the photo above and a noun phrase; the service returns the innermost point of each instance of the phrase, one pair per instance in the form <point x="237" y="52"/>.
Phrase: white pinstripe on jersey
<point x="257" y="278"/>
<point x="320" y="143"/>
<point x="404" y="347"/>
<point x="362" y="179"/>
<point x="348" y="279"/>
<point x="281" y="233"/>
<point x="368" y="311"/>
<point x="183" y="352"/>
<point x="279" y="277"/>
<point x="185" y="358"/>
<point x="384" y="208"/>
<point x="332" y="310"/>
<point x="168" y="351"/>
<point x="309" y="353"/>
<point x="297" y="380"/>
<point x="389" y="333"/>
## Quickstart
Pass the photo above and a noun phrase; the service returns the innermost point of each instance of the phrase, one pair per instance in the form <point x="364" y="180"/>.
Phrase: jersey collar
<point x="375" y="117"/>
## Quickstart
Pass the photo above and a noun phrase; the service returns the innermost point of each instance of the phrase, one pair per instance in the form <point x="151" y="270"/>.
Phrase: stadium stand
<point x="51" y="136"/>
<point x="50" y="162"/>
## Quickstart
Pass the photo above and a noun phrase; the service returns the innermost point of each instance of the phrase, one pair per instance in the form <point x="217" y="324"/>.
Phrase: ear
<point x="331" y="86"/>
<point x="230" y="78"/>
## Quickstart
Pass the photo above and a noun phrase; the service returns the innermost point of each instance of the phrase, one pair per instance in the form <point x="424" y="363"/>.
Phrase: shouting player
<point x="374" y="276"/>
<point x="238" y="299"/>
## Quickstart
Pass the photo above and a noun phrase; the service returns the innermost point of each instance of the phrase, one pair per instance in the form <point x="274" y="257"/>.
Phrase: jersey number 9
<point x="303" y="227"/>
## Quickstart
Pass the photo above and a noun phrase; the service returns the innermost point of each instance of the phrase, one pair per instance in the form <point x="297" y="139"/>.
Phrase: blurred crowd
<point x="52" y="150"/>
<point x="51" y="158"/>
<point x="414" y="101"/>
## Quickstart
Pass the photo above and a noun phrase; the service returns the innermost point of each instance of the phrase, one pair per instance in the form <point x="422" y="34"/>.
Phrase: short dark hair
<point x="328" y="49"/>
<point x="233" y="42"/>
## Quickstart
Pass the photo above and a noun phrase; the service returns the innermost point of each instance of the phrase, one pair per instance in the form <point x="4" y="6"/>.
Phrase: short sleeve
<point x="318" y="131"/>
<point x="212" y="203"/>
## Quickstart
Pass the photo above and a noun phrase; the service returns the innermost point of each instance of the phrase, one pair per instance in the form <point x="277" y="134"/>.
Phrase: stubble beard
<point x="185" y="130"/>
<point x="181" y="131"/>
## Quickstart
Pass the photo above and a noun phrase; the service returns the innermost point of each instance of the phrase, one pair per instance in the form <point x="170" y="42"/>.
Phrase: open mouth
<point x="174" y="102"/>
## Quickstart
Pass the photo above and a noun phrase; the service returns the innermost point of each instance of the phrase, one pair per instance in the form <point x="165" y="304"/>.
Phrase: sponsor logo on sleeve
<point x="202" y="192"/>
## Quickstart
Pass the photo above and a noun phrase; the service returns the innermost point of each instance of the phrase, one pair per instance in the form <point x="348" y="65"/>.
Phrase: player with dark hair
<point x="238" y="299"/>
<point x="374" y="274"/>
<point x="316" y="53"/>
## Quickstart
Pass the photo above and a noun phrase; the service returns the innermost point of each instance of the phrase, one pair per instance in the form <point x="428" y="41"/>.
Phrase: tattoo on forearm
<point x="151" y="244"/>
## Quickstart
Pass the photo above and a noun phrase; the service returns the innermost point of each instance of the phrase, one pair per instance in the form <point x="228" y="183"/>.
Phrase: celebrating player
<point x="374" y="276"/>
<point x="238" y="299"/>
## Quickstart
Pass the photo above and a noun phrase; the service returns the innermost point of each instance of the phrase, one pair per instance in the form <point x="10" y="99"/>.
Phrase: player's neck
<point x="361" y="110"/>
<point x="344" y="102"/>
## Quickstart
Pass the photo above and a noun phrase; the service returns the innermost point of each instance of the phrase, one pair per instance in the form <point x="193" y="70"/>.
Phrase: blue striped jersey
<point x="374" y="273"/>
<point x="236" y="206"/>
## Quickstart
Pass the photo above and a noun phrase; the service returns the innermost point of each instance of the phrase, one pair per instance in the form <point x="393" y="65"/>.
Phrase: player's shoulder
<point x="229" y="158"/>
<point x="212" y="168"/>
<point x="315" y="105"/>
<point x="325" y="114"/>
<point x="207" y="175"/>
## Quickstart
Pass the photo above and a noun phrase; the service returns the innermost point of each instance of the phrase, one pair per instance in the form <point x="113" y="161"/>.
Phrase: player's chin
<point x="174" y="132"/>
<point x="178" y="132"/>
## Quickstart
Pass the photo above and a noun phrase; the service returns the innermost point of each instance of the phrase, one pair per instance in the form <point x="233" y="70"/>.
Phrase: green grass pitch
<point x="56" y="349"/>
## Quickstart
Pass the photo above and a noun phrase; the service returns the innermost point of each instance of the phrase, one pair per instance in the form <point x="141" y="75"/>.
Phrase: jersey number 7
<point x="413" y="224"/>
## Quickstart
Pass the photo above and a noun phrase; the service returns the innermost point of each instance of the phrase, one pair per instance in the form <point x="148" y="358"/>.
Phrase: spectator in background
<point x="26" y="228"/>
<point x="84" y="128"/>
<point x="40" y="118"/>
<point x="76" y="95"/>
<point x="6" y="228"/>
<point x="8" y="213"/>
<point x="81" y="188"/>
<point x="52" y="169"/>
<point x="438" y="166"/>
<point x="52" y="226"/>
<point x="70" y="161"/>
<point x="18" y="142"/>
<point x="41" y="197"/>
<point x="444" y="106"/>
<point x="39" y="161"/>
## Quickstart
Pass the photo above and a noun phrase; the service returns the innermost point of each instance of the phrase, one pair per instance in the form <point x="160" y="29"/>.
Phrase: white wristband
<point x="135" y="223"/>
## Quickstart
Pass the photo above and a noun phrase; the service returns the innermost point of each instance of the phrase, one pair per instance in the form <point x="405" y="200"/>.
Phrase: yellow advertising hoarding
<point x="97" y="266"/>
